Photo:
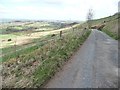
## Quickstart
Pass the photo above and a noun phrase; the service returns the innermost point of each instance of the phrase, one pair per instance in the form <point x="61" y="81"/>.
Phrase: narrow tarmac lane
<point x="94" y="65"/>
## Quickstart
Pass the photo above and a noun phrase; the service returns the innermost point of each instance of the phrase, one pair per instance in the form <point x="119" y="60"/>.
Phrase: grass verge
<point x="57" y="58"/>
<point x="33" y="69"/>
<point x="112" y="34"/>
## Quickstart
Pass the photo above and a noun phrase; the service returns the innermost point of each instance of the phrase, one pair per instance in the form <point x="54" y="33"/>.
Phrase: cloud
<point x="53" y="2"/>
<point x="3" y="9"/>
<point x="18" y="1"/>
<point x="57" y="9"/>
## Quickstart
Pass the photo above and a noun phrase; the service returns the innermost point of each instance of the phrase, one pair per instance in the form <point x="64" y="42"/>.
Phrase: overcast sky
<point x="56" y="9"/>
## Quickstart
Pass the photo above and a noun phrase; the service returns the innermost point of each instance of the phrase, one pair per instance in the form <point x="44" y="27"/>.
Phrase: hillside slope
<point x="94" y="65"/>
<point x="33" y="66"/>
<point x="111" y="25"/>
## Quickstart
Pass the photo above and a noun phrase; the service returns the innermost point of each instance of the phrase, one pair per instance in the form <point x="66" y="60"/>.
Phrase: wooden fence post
<point x="60" y="34"/>
<point x="15" y="51"/>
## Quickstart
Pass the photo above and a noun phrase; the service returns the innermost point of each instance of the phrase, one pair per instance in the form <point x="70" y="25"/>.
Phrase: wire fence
<point x="27" y="59"/>
<point x="15" y="50"/>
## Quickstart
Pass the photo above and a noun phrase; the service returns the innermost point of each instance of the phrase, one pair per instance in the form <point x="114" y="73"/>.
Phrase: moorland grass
<point x="49" y="57"/>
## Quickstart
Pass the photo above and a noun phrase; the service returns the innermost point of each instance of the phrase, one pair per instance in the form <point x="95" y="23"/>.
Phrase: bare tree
<point x="89" y="17"/>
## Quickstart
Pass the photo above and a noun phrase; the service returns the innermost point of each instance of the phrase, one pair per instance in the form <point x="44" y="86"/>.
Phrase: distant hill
<point x="5" y="20"/>
<point x="111" y="24"/>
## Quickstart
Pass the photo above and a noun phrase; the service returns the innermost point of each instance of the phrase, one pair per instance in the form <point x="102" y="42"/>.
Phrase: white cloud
<point x="63" y="9"/>
<point x="22" y="1"/>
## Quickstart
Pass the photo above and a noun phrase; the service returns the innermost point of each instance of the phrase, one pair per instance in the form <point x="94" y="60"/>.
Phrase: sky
<point x="56" y="9"/>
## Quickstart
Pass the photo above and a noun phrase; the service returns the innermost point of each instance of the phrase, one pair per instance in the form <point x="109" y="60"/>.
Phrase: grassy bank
<point x="57" y="57"/>
<point x="111" y="25"/>
<point x="14" y="52"/>
<point x="112" y="34"/>
<point x="33" y="69"/>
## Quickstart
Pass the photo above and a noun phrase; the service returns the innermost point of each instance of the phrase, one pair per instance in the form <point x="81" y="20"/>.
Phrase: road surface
<point x="95" y="65"/>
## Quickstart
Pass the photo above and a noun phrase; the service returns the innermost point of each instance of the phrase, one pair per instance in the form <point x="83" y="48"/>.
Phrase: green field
<point x="111" y="25"/>
<point x="10" y="49"/>
<point x="39" y="50"/>
<point x="19" y="59"/>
